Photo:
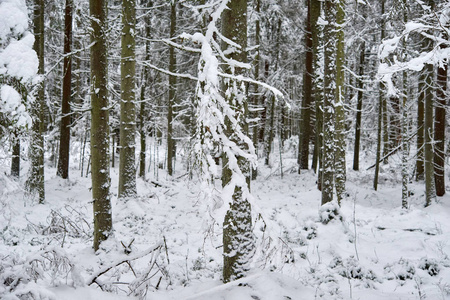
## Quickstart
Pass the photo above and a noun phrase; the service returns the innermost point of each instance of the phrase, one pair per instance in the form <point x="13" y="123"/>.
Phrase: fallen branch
<point x="120" y="261"/>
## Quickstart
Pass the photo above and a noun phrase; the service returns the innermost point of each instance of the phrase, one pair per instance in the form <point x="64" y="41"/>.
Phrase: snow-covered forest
<point x="224" y="149"/>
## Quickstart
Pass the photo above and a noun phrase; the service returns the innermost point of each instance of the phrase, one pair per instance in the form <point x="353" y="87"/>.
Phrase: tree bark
<point x="15" y="162"/>
<point x="439" y="131"/>
<point x="238" y="244"/>
<point x="420" y="168"/>
<point x="64" y="139"/>
<point x="99" y="124"/>
<point x="305" y="119"/>
<point x="328" y="105"/>
<point x="127" y="169"/>
<point x="359" y="108"/>
<point x="172" y="91"/>
<point x="339" y="136"/>
<point x="35" y="183"/>
<point x="430" y="190"/>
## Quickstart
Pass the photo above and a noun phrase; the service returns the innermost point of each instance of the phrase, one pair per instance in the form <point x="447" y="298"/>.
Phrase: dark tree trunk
<point x="439" y="131"/>
<point x="359" y="108"/>
<point x="305" y="126"/>
<point x="64" y="139"/>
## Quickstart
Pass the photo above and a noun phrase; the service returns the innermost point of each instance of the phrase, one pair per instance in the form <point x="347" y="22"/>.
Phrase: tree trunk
<point x="238" y="244"/>
<point x="256" y="97"/>
<point x="359" y="108"/>
<point x="172" y="91"/>
<point x="143" y="109"/>
<point x="99" y="124"/>
<point x="127" y="169"/>
<point x="305" y="119"/>
<point x="430" y="190"/>
<point x="439" y="131"/>
<point x="15" y="162"/>
<point x="317" y="88"/>
<point x="339" y="136"/>
<point x="381" y="114"/>
<point x="420" y="168"/>
<point x="35" y="183"/>
<point x="328" y="106"/>
<point x="64" y="139"/>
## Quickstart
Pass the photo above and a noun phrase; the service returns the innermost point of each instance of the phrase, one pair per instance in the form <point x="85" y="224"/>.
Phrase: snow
<point x="375" y="251"/>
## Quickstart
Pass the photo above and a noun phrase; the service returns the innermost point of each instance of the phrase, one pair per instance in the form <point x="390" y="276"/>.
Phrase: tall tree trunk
<point x="328" y="105"/>
<point x="359" y="107"/>
<point x="127" y="169"/>
<point x="318" y="42"/>
<point x="379" y="134"/>
<point x="420" y="168"/>
<point x="172" y="91"/>
<point x="381" y="113"/>
<point x="305" y="119"/>
<point x="439" y="131"/>
<point x="340" y="163"/>
<point x="404" y="142"/>
<point x="430" y="190"/>
<point x="143" y="110"/>
<point x="256" y="97"/>
<point x="99" y="124"/>
<point x="238" y="244"/>
<point x="64" y="139"/>
<point x="35" y="183"/>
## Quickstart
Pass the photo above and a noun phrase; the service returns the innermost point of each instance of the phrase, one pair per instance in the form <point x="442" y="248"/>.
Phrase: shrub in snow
<point x="402" y="270"/>
<point x="18" y="276"/>
<point x="310" y="228"/>
<point x="350" y="268"/>
<point x="329" y="211"/>
<point x="430" y="265"/>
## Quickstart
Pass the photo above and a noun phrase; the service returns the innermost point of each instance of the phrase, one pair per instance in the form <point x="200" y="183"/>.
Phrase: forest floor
<point x="375" y="251"/>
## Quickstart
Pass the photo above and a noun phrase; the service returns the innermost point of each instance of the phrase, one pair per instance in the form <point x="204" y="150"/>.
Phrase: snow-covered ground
<point x="377" y="251"/>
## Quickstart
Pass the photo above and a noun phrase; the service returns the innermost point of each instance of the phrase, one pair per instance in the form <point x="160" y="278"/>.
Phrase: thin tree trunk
<point x="359" y="108"/>
<point x="172" y="91"/>
<point x="305" y="120"/>
<point x="35" y="182"/>
<point x="256" y="97"/>
<point x="127" y="169"/>
<point x="64" y="139"/>
<point x="439" y="131"/>
<point x="430" y="190"/>
<point x="420" y="168"/>
<point x="340" y="162"/>
<point x="99" y="123"/>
